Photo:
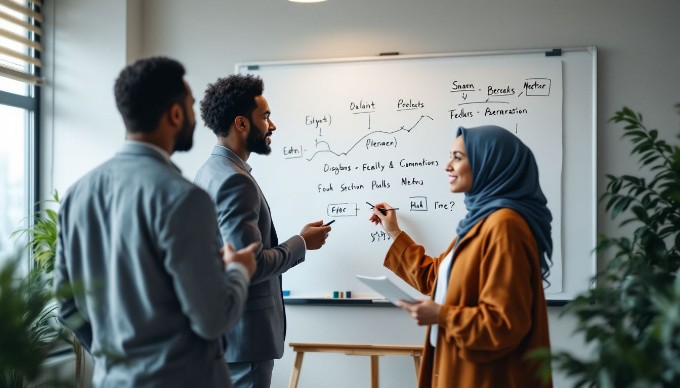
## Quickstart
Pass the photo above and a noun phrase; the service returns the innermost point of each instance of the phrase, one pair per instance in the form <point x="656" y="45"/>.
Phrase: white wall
<point x="86" y="50"/>
<point x="638" y="67"/>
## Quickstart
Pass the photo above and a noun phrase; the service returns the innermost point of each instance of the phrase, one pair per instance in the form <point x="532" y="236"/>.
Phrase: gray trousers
<point x="251" y="374"/>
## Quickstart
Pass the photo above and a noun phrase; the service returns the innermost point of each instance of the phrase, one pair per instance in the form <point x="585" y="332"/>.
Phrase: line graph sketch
<point x="323" y="143"/>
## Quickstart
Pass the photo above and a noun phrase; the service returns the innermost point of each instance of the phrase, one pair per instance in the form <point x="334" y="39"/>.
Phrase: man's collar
<point x="233" y="156"/>
<point x="145" y="148"/>
<point x="152" y="146"/>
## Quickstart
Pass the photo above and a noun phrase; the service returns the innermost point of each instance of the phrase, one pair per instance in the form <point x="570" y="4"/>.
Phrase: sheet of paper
<point x="386" y="288"/>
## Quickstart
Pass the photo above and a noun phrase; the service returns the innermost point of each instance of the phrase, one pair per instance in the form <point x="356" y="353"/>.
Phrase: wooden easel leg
<point x="295" y="376"/>
<point x="416" y="363"/>
<point x="375" y="372"/>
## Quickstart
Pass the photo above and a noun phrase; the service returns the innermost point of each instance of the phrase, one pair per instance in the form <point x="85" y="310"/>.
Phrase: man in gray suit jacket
<point x="239" y="115"/>
<point x="142" y="242"/>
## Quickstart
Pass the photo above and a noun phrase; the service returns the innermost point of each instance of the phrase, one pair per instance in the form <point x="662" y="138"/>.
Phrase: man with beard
<point x="235" y="110"/>
<point x="141" y="243"/>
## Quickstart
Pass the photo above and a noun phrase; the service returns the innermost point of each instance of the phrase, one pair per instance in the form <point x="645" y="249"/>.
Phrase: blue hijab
<point x="505" y="175"/>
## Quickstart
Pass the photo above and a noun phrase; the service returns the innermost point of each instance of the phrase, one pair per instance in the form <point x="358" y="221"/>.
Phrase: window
<point x="19" y="95"/>
<point x="20" y="43"/>
<point x="14" y="174"/>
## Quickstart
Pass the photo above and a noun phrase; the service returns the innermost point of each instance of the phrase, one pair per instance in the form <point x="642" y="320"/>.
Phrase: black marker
<point x="329" y="222"/>
<point x="381" y="210"/>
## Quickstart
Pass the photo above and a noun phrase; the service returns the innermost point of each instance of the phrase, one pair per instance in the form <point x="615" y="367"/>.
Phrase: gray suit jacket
<point x="142" y="240"/>
<point x="243" y="217"/>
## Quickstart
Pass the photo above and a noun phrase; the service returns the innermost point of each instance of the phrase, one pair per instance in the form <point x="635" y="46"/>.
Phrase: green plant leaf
<point x="631" y="316"/>
<point x="621" y="205"/>
<point x="640" y="212"/>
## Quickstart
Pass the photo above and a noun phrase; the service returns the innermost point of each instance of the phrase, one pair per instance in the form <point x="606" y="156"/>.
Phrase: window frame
<point x="31" y="103"/>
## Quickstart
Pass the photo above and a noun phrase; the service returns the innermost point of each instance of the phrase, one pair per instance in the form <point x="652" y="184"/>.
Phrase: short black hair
<point x="227" y="98"/>
<point x="146" y="89"/>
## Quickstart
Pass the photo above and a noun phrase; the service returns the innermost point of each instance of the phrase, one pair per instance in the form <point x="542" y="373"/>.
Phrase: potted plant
<point x="631" y="316"/>
<point x="28" y="325"/>
<point x="35" y="297"/>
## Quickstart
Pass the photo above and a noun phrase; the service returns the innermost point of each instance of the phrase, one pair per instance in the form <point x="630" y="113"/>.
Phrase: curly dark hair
<point x="146" y="89"/>
<point x="227" y="98"/>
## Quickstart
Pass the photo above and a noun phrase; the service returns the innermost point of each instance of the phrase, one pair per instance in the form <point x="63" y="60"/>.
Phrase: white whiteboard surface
<point x="379" y="129"/>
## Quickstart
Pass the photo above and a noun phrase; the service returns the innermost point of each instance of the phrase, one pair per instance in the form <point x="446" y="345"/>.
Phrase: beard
<point x="256" y="141"/>
<point x="185" y="138"/>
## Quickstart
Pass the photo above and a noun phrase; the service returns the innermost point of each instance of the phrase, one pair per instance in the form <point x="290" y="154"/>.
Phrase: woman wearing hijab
<point x="488" y="309"/>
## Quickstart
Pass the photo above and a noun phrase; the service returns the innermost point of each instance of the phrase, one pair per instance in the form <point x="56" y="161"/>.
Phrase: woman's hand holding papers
<point x="425" y="312"/>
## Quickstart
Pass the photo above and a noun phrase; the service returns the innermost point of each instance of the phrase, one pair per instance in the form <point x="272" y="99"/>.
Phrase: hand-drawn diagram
<point x="382" y="133"/>
<point x="531" y="87"/>
<point x="322" y="146"/>
<point x="471" y="99"/>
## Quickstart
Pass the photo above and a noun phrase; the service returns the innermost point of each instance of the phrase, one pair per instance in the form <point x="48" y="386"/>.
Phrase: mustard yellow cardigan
<point x="494" y="312"/>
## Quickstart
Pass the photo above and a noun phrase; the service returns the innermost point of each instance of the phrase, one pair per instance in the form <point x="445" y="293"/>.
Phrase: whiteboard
<point x="354" y="131"/>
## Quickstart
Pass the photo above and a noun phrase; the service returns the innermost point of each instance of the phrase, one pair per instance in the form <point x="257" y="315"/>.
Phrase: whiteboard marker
<point x="383" y="210"/>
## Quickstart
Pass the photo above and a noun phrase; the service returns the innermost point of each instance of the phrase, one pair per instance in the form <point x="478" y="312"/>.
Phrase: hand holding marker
<point x="383" y="211"/>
